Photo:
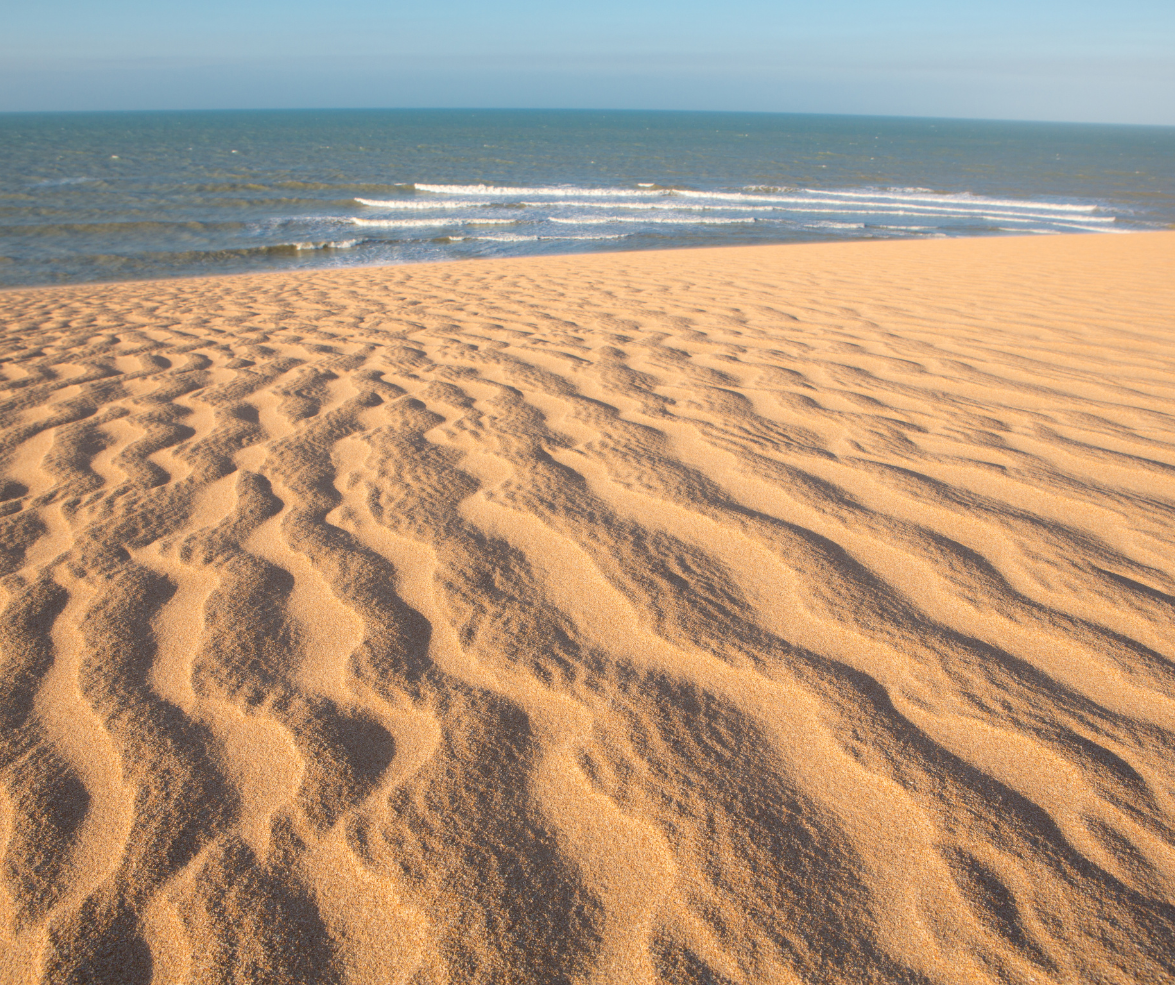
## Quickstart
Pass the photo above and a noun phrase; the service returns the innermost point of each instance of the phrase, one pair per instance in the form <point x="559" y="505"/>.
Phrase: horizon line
<point x="576" y="109"/>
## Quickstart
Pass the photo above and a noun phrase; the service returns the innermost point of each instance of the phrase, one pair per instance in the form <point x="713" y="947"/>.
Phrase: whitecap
<point x="417" y="204"/>
<point x="542" y="191"/>
<point x="651" y="220"/>
<point x="424" y="223"/>
<point x="920" y="195"/>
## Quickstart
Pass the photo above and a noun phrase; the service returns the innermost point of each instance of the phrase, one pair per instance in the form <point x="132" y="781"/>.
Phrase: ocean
<point x="112" y="196"/>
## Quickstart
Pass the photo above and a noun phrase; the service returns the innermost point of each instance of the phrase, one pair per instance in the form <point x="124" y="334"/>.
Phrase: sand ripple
<point x="744" y="616"/>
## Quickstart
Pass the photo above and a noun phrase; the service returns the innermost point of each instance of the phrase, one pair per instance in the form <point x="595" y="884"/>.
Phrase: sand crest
<point x="756" y="615"/>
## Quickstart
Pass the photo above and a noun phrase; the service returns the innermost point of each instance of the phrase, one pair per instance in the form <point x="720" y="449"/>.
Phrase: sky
<point x="1110" y="62"/>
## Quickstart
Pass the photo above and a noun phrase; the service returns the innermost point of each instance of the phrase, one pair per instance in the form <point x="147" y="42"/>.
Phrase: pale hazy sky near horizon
<point x="1034" y="59"/>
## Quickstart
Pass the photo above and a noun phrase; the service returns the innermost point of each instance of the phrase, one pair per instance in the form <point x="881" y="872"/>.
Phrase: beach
<point x="758" y="614"/>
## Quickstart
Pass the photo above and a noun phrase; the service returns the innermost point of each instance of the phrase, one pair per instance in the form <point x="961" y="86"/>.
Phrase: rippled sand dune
<point x="765" y="615"/>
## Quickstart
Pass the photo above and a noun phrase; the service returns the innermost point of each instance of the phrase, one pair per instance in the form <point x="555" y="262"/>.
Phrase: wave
<point x="519" y="238"/>
<point x="914" y="210"/>
<point x="650" y="206"/>
<point x="657" y="220"/>
<point x="333" y="244"/>
<point x="1061" y="228"/>
<point x="919" y="195"/>
<point x="246" y="215"/>
<point x="422" y="223"/>
<point x="1004" y="217"/>
<point x="171" y="261"/>
<point x="60" y="182"/>
<point x="295" y="247"/>
<point x="882" y="208"/>
<point x="409" y="203"/>
<point x="913" y="195"/>
<point x="960" y="202"/>
<point x="955" y="205"/>
<point x="506" y="190"/>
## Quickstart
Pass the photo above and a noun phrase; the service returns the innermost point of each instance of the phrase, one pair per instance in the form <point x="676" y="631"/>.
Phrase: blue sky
<point x="1080" y="60"/>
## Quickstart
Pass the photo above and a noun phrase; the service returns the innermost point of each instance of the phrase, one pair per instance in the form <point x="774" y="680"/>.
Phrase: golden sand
<point x="757" y="615"/>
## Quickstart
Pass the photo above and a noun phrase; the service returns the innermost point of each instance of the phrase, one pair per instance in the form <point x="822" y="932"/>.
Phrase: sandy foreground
<point x="757" y="615"/>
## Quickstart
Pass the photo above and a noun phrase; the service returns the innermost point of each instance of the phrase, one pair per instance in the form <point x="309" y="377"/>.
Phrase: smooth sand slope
<point x="768" y="615"/>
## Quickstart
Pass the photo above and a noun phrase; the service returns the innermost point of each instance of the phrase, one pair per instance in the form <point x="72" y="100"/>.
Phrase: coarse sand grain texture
<point x="787" y="614"/>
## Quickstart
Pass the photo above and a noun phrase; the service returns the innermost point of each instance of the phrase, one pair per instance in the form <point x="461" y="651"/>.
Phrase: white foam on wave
<point x="946" y="205"/>
<point x="928" y="213"/>
<point x="1060" y="230"/>
<point x="586" y="238"/>
<point x="1087" y="222"/>
<point x="541" y="191"/>
<point x="911" y="210"/>
<point x="650" y="206"/>
<point x="912" y="201"/>
<point x="734" y="196"/>
<point x="334" y="244"/>
<point x="652" y="220"/>
<point x="979" y="201"/>
<point x="423" y="223"/>
<point x="950" y="212"/>
<point x="515" y="238"/>
<point x="417" y="204"/>
<point x="909" y="195"/>
<point x="1084" y="224"/>
<point x="807" y="206"/>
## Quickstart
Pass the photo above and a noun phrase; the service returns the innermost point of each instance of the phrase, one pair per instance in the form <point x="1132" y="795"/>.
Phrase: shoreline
<point x="586" y="257"/>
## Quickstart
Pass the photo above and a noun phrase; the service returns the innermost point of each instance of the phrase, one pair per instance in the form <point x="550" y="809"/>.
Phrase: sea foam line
<point x="799" y="215"/>
<point x="915" y="195"/>
<point x="517" y="238"/>
<point x="965" y="198"/>
<point x="409" y="203"/>
<point x="879" y="209"/>
<point x="506" y="190"/>
<point x="963" y="201"/>
<point x="653" y="220"/>
<point x="912" y="208"/>
<point x="421" y="223"/>
<point x="645" y="206"/>
<point x="954" y="204"/>
<point x="336" y="244"/>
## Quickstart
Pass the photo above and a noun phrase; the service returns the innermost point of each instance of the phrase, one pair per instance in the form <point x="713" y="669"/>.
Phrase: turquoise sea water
<point x="108" y="196"/>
